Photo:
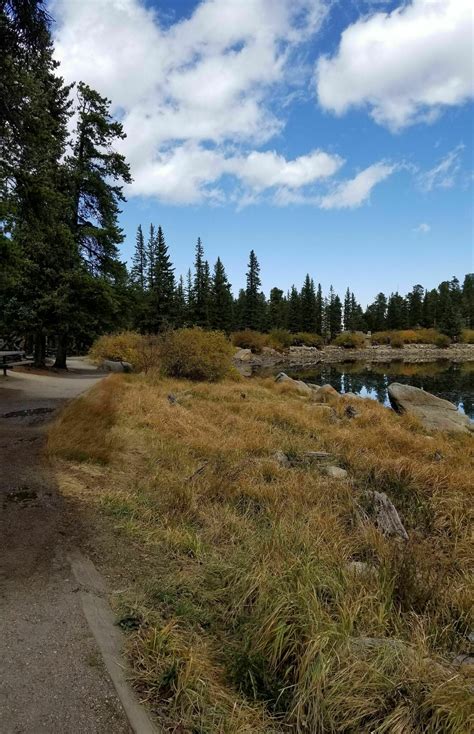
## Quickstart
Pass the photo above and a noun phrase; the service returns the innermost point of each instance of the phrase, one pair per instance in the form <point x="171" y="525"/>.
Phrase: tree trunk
<point x="39" y="359"/>
<point x="61" y="353"/>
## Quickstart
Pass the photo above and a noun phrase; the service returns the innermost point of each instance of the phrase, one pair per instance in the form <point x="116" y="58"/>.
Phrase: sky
<point x="333" y="137"/>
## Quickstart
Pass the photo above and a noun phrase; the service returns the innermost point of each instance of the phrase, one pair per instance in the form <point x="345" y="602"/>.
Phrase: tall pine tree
<point x="221" y="301"/>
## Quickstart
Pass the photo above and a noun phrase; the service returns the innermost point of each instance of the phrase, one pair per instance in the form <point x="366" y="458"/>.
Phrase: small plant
<point x="442" y="341"/>
<point x="279" y="339"/>
<point x="249" y="339"/>
<point x="196" y="354"/>
<point x="397" y="342"/>
<point x="349" y="340"/>
<point x="467" y="336"/>
<point x="307" y="339"/>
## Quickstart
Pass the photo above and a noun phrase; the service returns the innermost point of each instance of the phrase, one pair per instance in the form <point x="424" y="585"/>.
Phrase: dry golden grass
<point x="252" y="619"/>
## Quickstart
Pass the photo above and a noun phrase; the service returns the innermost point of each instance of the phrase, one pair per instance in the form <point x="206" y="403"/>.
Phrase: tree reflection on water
<point x="454" y="382"/>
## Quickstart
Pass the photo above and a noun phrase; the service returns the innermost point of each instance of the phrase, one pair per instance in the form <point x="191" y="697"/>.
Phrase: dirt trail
<point x="51" y="675"/>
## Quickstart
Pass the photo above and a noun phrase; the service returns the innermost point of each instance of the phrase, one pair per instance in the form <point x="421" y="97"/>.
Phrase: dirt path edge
<point x="108" y="638"/>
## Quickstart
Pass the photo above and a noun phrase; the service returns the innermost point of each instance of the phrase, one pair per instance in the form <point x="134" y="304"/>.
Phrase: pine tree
<point x="415" y="306"/>
<point x="201" y="286"/>
<point x="150" y="255"/>
<point x="180" y="304"/>
<point x="396" y="312"/>
<point x="221" y="301"/>
<point x="138" y="273"/>
<point x="277" y="309"/>
<point x="294" y="310"/>
<point x="254" y="315"/>
<point x="97" y="173"/>
<point x="162" y="294"/>
<point x="334" y="314"/>
<point x="348" y="312"/>
<point x="308" y="305"/>
<point x="34" y="237"/>
<point x="319" y="310"/>
<point x="468" y="300"/>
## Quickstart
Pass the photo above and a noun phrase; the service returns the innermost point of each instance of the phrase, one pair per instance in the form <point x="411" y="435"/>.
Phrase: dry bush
<point x="123" y="347"/>
<point x="467" y="336"/>
<point x="253" y="619"/>
<point x="249" y="339"/>
<point x="307" y="339"/>
<point x="442" y="341"/>
<point x="349" y="340"/>
<point x="196" y="354"/>
<point x="381" y="337"/>
<point x="397" y="342"/>
<point x="279" y="339"/>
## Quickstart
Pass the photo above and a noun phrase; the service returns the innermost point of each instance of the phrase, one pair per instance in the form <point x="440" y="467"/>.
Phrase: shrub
<point x="249" y="339"/>
<point x="442" y="341"/>
<point x="467" y="336"/>
<point x="142" y="351"/>
<point x="196" y="354"/>
<point x="396" y="341"/>
<point x="307" y="339"/>
<point x="381" y="337"/>
<point x="349" y="340"/>
<point x="279" y="339"/>
<point x="123" y="347"/>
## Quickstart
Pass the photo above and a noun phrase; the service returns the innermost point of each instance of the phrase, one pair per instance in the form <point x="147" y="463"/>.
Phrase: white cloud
<point x="194" y="97"/>
<point x="405" y="65"/>
<point x="185" y="173"/>
<point x="351" y="194"/>
<point x="444" y="174"/>
<point x="422" y="228"/>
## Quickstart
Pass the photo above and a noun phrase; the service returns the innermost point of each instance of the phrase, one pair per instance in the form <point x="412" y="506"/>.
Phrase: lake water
<point x="454" y="382"/>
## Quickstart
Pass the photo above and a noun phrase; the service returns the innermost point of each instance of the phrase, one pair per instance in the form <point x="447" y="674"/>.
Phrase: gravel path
<point x="52" y="680"/>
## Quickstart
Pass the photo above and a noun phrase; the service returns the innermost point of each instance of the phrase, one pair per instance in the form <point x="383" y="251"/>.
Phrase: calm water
<point x="454" y="382"/>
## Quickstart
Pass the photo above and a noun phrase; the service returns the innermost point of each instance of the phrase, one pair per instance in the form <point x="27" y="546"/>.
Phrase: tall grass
<point x="240" y="570"/>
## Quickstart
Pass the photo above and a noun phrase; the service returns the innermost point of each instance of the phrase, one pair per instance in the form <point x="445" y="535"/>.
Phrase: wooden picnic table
<point x="10" y="359"/>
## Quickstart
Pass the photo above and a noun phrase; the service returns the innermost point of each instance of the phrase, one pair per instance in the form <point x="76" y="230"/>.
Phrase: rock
<point x="325" y="394"/>
<point x="110" y="365"/>
<point x="359" y="568"/>
<point x="352" y="395"/>
<point x="316" y="457"/>
<point x="282" y="459"/>
<point x="465" y="664"/>
<point x="384" y="514"/>
<point x="298" y="385"/>
<point x="243" y="355"/>
<point x="335" y="472"/>
<point x="434" y="413"/>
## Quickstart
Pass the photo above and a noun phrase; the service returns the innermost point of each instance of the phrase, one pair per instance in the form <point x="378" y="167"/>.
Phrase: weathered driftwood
<point x="384" y="514"/>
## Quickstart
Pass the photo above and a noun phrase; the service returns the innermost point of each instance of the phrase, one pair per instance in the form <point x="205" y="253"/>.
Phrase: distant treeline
<point x="204" y="298"/>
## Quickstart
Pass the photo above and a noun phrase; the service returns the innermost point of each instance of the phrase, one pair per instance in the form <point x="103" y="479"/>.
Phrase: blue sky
<point x="334" y="138"/>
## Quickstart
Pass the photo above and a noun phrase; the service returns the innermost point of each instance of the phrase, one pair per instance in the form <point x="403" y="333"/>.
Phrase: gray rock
<point x="434" y="413"/>
<point x="464" y="663"/>
<point x="324" y="394"/>
<point x="243" y="355"/>
<point x="316" y="457"/>
<point x="282" y="459"/>
<point x="298" y="385"/>
<point x="335" y="472"/>
<point x="359" y="568"/>
<point x="110" y="365"/>
<point x="384" y="514"/>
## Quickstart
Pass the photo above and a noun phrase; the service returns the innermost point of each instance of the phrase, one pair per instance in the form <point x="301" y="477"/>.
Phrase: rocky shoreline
<point x="245" y="360"/>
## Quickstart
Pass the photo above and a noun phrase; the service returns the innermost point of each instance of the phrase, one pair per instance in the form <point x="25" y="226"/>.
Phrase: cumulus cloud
<point x="443" y="175"/>
<point x="422" y="228"/>
<point x="351" y="194"/>
<point x="195" y="97"/>
<point x="405" y="65"/>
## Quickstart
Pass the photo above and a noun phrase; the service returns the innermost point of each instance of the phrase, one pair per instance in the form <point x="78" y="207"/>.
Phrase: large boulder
<point x="297" y="385"/>
<point x="324" y="394"/>
<point x="434" y="413"/>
